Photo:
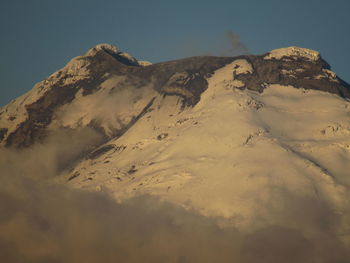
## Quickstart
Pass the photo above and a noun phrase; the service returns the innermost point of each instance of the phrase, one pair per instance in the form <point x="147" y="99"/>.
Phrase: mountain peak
<point x="123" y="57"/>
<point x="293" y="51"/>
<point x="103" y="47"/>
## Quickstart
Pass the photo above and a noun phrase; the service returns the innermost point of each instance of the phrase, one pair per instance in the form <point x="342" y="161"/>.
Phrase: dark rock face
<point x="3" y="132"/>
<point x="185" y="78"/>
<point x="297" y="72"/>
<point x="98" y="152"/>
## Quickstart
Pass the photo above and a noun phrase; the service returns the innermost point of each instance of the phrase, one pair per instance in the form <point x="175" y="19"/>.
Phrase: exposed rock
<point x="298" y="72"/>
<point x="3" y="132"/>
<point x="98" y="152"/>
<point x="162" y="136"/>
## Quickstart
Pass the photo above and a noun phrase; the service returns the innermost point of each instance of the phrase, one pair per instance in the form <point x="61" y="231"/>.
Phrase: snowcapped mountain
<point x="105" y="72"/>
<point x="224" y="136"/>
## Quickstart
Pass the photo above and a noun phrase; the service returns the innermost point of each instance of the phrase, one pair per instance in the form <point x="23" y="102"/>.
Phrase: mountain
<point x="255" y="140"/>
<point x="104" y="69"/>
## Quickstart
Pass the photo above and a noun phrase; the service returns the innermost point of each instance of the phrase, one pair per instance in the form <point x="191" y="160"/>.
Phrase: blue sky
<point x="39" y="37"/>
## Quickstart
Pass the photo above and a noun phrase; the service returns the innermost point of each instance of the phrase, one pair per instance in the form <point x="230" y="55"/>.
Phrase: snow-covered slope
<point x="231" y="152"/>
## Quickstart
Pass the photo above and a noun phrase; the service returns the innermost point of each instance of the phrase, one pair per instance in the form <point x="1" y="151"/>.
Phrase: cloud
<point x="110" y="108"/>
<point x="43" y="221"/>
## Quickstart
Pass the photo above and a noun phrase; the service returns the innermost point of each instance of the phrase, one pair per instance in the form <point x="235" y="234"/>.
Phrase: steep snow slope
<point x="231" y="153"/>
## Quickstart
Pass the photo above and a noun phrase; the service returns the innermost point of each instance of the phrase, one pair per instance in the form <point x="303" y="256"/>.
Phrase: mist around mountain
<point x="205" y="159"/>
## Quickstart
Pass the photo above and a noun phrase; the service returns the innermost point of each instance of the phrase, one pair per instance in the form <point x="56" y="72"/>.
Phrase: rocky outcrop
<point x="297" y="71"/>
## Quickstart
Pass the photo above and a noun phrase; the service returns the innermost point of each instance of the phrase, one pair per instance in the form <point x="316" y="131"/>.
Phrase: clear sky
<point x="40" y="36"/>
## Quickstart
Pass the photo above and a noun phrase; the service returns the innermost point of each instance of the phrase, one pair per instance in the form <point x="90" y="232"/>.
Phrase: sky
<point x="38" y="37"/>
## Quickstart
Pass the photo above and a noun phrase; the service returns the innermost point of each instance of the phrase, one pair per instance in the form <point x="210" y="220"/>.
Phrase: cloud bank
<point x="43" y="221"/>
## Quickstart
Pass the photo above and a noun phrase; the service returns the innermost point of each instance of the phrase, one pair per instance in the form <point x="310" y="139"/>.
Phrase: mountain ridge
<point x="185" y="78"/>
